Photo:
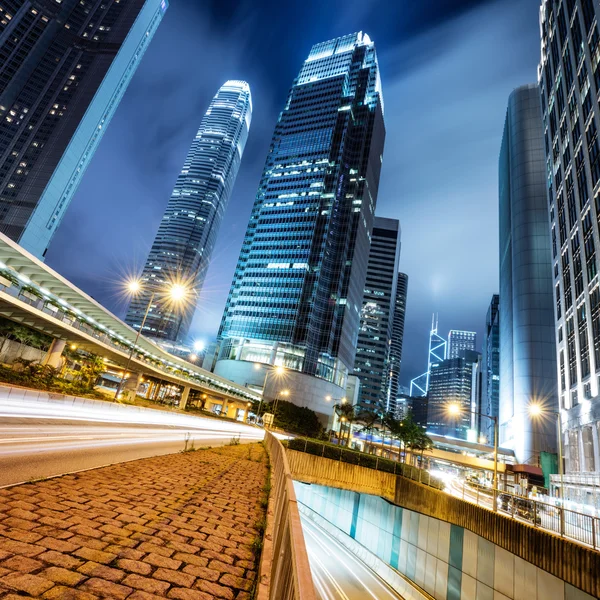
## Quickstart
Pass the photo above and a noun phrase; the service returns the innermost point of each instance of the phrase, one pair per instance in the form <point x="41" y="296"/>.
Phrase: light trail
<point x="337" y="573"/>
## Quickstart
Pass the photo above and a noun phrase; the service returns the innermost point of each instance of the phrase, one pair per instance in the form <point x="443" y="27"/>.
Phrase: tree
<point x="347" y="413"/>
<point x="368" y="419"/>
<point x="295" y="419"/>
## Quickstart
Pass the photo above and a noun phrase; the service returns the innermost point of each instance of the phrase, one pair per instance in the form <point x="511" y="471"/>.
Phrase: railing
<point x="547" y="515"/>
<point x="362" y="459"/>
<point x="284" y="571"/>
<point x="20" y="292"/>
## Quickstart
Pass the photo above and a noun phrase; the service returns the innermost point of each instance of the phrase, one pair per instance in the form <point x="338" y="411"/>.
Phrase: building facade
<point x="395" y="355"/>
<point x="460" y="340"/>
<point x="490" y="384"/>
<point x="64" y="67"/>
<point x="527" y="345"/>
<point x="186" y="236"/>
<point x="372" y="362"/>
<point x="569" y="81"/>
<point x="450" y="383"/>
<point x="297" y="291"/>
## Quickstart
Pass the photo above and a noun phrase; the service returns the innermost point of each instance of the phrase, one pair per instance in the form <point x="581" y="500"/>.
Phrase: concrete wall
<point x="304" y="390"/>
<point x="446" y="560"/>
<point x="314" y="469"/>
<point x="11" y="350"/>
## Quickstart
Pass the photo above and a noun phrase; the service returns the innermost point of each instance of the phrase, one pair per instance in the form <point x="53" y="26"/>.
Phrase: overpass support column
<point x="54" y="354"/>
<point x="184" y="397"/>
<point x="130" y="387"/>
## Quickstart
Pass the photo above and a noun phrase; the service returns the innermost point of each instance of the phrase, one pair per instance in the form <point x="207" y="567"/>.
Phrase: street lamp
<point x="285" y="393"/>
<point x="455" y="410"/>
<point x="176" y="292"/>
<point x="537" y="410"/>
<point x="276" y="370"/>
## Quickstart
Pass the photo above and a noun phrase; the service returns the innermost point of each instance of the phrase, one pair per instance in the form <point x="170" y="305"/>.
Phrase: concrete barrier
<point x="333" y="473"/>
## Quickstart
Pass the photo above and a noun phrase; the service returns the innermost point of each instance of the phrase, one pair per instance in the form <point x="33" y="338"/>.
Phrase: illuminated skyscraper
<point x="527" y="347"/>
<point x="569" y="82"/>
<point x="297" y="291"/>
<point x="371" y="364"/>
<point x="395" y="356"/>
<point x="490" y="393"/>
<point x="419" y="386"/>
<point x="64" y="67"/>
<point x="186" y="237"/>
<point x="458" y="341"/>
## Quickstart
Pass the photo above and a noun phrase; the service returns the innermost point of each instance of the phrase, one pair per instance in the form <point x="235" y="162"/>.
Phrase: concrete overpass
<point x="37" y="296"/>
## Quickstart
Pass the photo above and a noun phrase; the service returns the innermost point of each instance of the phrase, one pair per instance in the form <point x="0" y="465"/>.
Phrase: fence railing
<point x="288" y="576"/>
<point x="563" y="521"/>
<point x="362" y="459"/>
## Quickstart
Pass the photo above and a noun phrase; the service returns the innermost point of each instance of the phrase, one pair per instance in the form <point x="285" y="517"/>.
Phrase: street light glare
<point x="178" y="292"/>
<point x="279" y="370"/>
<point x="453" y="409"/>
<point x="134" y="286"/>
<point x="198" y="345"/>
<point x="535" y="410"/>
<point x="285" y="393"/>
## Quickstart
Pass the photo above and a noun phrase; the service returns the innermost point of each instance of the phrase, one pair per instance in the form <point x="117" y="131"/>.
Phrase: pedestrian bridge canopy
<point x="37" y="296"/>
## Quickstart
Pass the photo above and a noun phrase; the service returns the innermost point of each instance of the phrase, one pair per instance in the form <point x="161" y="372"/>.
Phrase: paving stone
<point x="177" y="526"/>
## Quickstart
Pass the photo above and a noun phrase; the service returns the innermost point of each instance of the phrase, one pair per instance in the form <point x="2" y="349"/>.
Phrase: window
<point x="587" y="440"/>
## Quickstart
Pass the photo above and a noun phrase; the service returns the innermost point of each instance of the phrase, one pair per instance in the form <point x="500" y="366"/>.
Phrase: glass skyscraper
<point x="395" y="356"/>
<point x="64" y="67"/>
<point x="459" y="341"/>
<point x="569" y="80"/>
<point x="372" y="360"/>
<point x="490" y="393"/>
<point x="186" y="237"/>
<point x="527" y="347"/>
<point x="297" y="292"/>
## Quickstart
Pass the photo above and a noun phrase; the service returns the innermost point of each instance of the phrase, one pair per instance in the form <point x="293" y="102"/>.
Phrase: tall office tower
<point x="451" y="383"/>
<point x="395" y="355"/>
<point x="419" y="386"/>
<point x="372" y="362"/>
<point x="459" y="341"/>
<point x="186" y="237"/>
<point x="527" y="346"/>
<point x="490" y="384"/>
<point x="569" y="80"/>
<point x="297" y="290"/>
<point x="64" y="67"/>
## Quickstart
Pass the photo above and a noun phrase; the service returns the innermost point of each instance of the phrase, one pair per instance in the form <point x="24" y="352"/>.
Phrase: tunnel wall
<point x="446" y="560"/>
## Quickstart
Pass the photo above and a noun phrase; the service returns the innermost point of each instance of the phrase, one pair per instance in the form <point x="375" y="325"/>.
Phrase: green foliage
<point x="24" y="335"/>
<point x="295" y="419"/>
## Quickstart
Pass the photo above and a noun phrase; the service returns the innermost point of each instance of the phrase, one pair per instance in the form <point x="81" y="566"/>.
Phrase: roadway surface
<point x="43" y="439"/>
<point x="337" y="573"/>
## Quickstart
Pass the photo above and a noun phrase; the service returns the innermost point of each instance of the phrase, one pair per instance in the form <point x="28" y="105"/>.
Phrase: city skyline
<point x="400" y="73"/>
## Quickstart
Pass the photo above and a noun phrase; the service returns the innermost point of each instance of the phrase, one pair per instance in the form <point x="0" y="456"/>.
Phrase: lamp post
<point x="177" y="293"/>
<point x="455" y="410"/>
<point x="536" y="410"/>
<point x="277" y="370"/>
<point x="285" y="393"/>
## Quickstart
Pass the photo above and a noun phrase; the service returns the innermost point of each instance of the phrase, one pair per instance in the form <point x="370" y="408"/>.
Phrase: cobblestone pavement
<point x="176" y="526"/>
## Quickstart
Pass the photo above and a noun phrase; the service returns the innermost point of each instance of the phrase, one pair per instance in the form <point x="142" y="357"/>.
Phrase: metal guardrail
<point x="288" y="577"/>
<point x="565" y="522"/>
<point x="362" y="459"/>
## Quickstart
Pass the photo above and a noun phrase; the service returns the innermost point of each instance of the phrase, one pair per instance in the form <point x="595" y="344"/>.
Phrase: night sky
<point x="447" y="68"/>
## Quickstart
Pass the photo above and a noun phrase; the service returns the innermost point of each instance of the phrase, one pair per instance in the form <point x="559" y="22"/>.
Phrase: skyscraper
<point x="297" y="290"/>
<point x="395" y="356"/>
<point x="419" y="386"/>
<point x="458" y="341"/>
<point x="451" y="383"/>
<point x="569" y="80"/>
<point x="64" y="67"/>
<point x="490" y="393"/>
<point x="527" y="346"/>
<point x="371" y="364"/>
<point x="186" y="237"/>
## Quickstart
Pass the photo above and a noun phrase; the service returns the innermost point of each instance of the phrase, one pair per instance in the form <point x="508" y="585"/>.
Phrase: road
<point x="337" y="573"/>
<point x="42" y="439"/>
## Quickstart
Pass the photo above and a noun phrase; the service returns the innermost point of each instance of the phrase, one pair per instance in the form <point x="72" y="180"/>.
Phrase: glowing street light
<point x="198" y="346"/>
<point x="176" y="292"/>
<point x="455" y="410"/>
<point x="271" y="369"/>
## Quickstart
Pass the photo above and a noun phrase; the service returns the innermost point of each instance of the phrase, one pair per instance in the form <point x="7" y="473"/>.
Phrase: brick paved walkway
<point x="178" y="526"/>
